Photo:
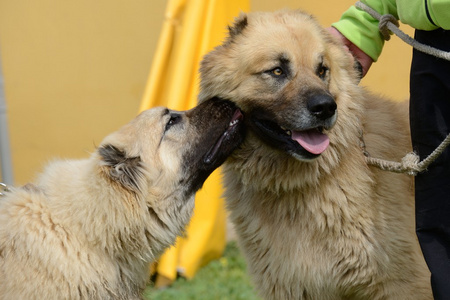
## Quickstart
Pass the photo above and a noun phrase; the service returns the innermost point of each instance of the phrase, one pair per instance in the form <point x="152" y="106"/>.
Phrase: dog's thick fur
<point x="89" y="228"/>
<point x="318" y="224"/>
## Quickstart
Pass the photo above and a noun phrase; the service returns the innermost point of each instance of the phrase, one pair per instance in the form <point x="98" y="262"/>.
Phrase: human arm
<point x="364" y="60"/>
<point x="361" y="30"/>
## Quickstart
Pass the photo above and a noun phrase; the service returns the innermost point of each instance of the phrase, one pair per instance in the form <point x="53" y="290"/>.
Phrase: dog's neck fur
<point x="107" y="230"/>
<point x="255" y="199"/>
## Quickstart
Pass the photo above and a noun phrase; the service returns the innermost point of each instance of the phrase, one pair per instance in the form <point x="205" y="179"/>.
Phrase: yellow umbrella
<point x="191" y="28"/>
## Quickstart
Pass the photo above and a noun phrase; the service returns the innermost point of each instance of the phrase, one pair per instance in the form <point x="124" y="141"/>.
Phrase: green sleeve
<point x="362" y="30"/>
<point x="425" y="14"/>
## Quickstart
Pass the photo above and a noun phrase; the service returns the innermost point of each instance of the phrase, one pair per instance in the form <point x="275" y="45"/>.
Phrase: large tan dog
<point x="314" y="221"/>
<point x="89" y="228"/>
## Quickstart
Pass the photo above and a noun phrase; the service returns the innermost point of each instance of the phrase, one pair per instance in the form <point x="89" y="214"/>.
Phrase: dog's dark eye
<point x="322" y="71"/>
<point x="174" y="119"/>
<point x="277" y="71"/>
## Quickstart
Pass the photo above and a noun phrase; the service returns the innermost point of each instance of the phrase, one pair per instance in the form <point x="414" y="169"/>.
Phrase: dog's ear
<point x="128" y="171"/>
<point x="239" y="24"/>
<point x="359" y="69"/>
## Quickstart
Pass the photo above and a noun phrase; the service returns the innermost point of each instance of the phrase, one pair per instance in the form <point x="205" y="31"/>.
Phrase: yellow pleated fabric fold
<point x="191" y="28"/>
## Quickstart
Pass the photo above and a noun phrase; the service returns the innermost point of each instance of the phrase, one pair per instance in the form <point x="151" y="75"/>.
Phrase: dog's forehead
<point x="149" y="125"/>
<point x="296" y="34"/>
<point x="152" y="114"/>
<point x="151" y="118"/>
<point x="288" y="24"/>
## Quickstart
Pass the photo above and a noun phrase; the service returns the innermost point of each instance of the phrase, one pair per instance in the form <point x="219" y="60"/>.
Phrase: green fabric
<point x="362" y="30"/>
<point x="440" y="12"/>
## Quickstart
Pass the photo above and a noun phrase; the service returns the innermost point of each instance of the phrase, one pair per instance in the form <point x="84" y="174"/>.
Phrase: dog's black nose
<point x="321" y="105"/>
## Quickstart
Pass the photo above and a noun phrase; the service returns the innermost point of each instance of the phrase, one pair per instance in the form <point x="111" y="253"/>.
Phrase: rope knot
<point x="410" y="163"/>
<point x="382" y="25"/>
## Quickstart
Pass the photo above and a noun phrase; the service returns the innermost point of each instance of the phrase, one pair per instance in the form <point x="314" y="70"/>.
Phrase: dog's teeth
<point x="287" y="131"/>
<point x="232" y="123"/>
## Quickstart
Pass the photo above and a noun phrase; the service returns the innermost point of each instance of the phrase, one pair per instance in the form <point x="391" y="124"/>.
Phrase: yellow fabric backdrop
<point x="191" y="28"/>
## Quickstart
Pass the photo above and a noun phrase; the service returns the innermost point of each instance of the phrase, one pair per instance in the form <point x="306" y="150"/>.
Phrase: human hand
<point x="364" y="59"/>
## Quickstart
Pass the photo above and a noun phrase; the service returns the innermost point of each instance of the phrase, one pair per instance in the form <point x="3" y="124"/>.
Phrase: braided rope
<point x="410" y="163"/>
<point x="389" y="22"/>
<point x="383" y="25"/>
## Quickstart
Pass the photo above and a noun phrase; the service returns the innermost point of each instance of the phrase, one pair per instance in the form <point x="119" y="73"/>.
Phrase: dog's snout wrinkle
<point x="322" y="106"/>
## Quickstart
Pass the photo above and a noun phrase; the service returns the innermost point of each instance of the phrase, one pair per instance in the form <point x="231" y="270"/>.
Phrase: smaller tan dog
<point x="89" y="228"/>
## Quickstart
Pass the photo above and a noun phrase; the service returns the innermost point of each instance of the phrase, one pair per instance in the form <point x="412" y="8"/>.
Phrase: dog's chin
<point x="303" y="145"/>
<point x="228" y="133"/>
<point x="231" y="138"/>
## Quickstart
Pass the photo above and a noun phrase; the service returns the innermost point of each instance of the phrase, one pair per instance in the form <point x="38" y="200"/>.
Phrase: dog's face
<point x="283" y="70"/>
<point x="171" y="152"/>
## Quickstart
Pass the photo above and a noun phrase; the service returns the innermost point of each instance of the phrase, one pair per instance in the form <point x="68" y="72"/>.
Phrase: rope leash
<point x="3" y="189"/>
<point x="388" y="23"/>
<point x="410" y="163"/>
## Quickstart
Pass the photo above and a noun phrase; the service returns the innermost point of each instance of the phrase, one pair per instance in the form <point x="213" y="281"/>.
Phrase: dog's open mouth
<point x="307" y="144"/>
<point x="236" y="119"/>
<point x="312" y="140"/>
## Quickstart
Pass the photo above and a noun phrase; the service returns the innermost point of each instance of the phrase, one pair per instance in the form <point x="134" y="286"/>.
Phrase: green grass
<point x="223" y="279"/>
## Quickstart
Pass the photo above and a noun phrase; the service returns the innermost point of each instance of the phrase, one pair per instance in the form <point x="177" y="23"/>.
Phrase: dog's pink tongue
<point x="311" y="140"/>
